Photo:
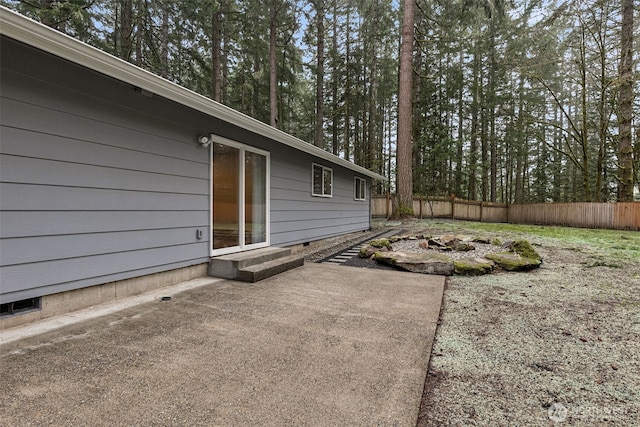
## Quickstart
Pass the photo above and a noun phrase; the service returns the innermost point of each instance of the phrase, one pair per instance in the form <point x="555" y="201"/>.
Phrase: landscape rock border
<point x="518" y="255"/>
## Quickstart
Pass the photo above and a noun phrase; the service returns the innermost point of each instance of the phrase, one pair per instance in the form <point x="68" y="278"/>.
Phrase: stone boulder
<point x="450" y="240"/>
<point x="463" y="247"/>
<point x="511" y="261"/>
<point x="473" y="266"/>
<point x="524" y="248"/>
<point x="368" y="251"/>
<point x="381" y="243"/>
<point x="520" y="257"/>
<point x="424" y="263"/>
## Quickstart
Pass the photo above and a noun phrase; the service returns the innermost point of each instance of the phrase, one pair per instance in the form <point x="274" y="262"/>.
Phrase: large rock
<point x="367" y="251"/>
<point x="424" y="263"/>
<point x="511" y="261"/>
<point x="473" y="266"/>
<point x="524" y="249"/>
<point x="462" y="246"/>
<point x="521" y="257"/>
<point x="381" y="243"/>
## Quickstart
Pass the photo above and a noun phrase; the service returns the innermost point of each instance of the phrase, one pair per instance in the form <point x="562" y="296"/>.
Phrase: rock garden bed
<point x="451" y="254"/>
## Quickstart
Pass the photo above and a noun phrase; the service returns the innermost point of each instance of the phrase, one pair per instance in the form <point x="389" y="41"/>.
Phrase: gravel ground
<point x="481" y="249"/>
<point x="328" y="247"/>
<point x="559" y="345"/>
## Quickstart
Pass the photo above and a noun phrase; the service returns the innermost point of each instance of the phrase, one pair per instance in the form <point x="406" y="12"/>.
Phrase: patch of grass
<point x="613" y="244"/>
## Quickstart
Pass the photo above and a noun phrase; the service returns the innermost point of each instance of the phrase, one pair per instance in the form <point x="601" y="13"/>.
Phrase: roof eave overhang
<point x="33" y="33"/>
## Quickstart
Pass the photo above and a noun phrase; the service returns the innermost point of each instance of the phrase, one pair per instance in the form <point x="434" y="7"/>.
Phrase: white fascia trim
<point x="33" y="33"/>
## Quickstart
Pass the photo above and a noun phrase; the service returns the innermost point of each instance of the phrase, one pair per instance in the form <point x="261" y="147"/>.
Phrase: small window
<point x="322" y="181"/>
<point x="17" y="307"/>
<point x="360" y="189"/>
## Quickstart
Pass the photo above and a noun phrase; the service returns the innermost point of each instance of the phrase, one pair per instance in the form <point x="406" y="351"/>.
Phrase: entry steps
<point x="255" y="265"/>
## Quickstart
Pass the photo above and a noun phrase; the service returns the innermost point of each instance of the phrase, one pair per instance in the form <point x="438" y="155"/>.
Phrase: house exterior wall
<point x="298" y="217"/>
<point x="100" y="183"/>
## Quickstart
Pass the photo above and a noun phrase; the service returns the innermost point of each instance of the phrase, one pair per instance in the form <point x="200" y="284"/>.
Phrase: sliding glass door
<point x="240" y="202"/>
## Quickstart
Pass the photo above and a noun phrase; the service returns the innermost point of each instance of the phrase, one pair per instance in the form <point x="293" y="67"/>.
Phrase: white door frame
<point x="216" y="139"/>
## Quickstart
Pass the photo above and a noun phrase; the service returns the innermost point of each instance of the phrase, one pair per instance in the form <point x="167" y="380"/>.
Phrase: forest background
<point x="512" y="101"/>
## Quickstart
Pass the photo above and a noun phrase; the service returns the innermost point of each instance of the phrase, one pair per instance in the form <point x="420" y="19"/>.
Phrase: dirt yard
<point x="558" y="345"/>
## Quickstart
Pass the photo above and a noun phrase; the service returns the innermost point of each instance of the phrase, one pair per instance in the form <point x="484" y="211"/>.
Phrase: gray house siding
<point x="297" y="216"/>
<point x="97" y="182"/>
<point x="100" y="183"/>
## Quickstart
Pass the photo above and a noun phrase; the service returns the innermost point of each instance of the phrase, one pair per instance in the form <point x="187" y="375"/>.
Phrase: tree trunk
<point x="216" y="52"/>
<point x="460" y="140"/>
<point x="492" y="108"/>
<point x="484" y="131"/>
<point x="164" y="40"/>
<point x="586" y="179"/>
<point x="273" y="77"/>
<point x="347" y="89"/>
<point x="625" y="109"/>
<point x="334" y="82"/>
<point x="519" y="148"/>
<point x="319" y="128"/>
<point x="405" y="181"/>
<point x="126" y="29"/>
<point x="473" y="148"/>
<point x="139" y="32"/>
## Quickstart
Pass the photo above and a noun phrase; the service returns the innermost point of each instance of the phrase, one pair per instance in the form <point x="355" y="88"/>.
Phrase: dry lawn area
<point x="556" y="346"/>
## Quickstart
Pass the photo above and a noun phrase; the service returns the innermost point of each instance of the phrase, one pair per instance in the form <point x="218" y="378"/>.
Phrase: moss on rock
<point x="511" y="261"/>
<point x="381" y="243"/>
<point x="473" y="266"/>
<point x="417" y="263"/>
<point x="524" y="249"/>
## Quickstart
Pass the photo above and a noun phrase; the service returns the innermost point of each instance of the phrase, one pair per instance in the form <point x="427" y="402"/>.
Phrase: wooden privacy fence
<point x="444" y="207"/>
<point x="618" y="216"/>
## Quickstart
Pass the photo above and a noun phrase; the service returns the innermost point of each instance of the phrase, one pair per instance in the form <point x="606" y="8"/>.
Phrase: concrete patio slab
<point x="318" y="345"/>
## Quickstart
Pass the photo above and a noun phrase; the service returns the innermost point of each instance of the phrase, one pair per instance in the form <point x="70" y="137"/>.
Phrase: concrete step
<point x="257" y="272"/>
<point x="229" y="266"/>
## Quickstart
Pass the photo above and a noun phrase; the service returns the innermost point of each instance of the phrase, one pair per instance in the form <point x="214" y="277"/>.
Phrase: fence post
<point x="453" y="207"/>
<point x="481" y="204"/>
<point x="420" y="202"/>
<point x="386" y="206"/>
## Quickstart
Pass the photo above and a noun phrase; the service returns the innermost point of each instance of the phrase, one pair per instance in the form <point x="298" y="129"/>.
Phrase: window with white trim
<point x="359" y="189"/>
<point x="321" y="181"/>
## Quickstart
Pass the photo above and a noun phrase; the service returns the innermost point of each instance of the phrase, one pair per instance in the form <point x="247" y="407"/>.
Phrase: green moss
<point x="384" y="259"/>
<point x="403" y="211"/>
<point x="524" y="249"/>
<point x="513" y="262"/>
<point x="472" y="267"/>
<point x="496" y="242"/>
<point x="381" y="243"/>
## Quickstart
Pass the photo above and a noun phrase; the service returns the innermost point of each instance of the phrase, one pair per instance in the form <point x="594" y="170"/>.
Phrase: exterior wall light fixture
<point x="205" y="140"/>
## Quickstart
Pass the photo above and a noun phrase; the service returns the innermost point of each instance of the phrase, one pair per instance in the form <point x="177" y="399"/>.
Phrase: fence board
<point x="618" y="216"/>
